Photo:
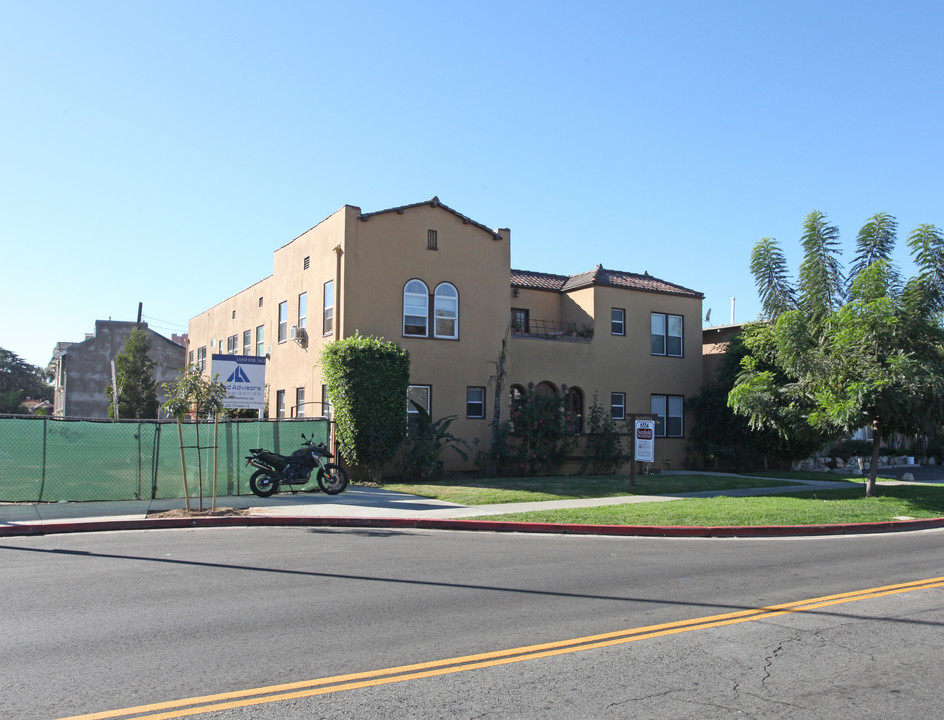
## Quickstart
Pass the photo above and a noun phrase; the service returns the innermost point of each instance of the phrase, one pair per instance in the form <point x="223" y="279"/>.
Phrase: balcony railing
<point x="553" y="330"/>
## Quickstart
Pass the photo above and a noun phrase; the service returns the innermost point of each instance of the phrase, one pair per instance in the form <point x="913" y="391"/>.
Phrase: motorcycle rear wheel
<point x="261" y="483"/>
<point x="333" y="480"/>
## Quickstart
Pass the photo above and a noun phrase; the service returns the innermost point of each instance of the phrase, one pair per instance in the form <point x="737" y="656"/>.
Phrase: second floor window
<point x="416" y="309"/>
<point x="667" y="331"/>
<point x="283" y="321"/>
<point x="201" y="358"/>
<point x="303" y="310"/>
<point x="260" y="340"/>
<point x="327" y="323"/>
<point x="617" y="321"/>
<point x="247" y="342"/>
<point x="446" y="311"/>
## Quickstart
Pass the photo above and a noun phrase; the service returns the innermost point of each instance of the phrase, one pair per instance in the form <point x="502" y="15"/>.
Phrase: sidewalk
<point x="375" y="507"/>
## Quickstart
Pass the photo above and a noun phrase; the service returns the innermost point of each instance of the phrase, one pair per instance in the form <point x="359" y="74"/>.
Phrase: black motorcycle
<point x="276" y="470"/>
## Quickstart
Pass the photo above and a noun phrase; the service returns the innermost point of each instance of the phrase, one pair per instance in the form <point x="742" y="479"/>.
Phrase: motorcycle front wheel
<point x="261" y="483"/>
<point x="333" y="479"/>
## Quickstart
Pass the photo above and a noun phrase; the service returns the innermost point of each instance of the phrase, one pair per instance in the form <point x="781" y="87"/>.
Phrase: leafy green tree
<point x="731" y="438"/>
<point x="367" y="379"/>
<point x="193" y="394"/>
<point x="499" y="379"/>
<point x="19" y="380"/>
<point x="134" y="376"/>
<point x="871" y="358"/>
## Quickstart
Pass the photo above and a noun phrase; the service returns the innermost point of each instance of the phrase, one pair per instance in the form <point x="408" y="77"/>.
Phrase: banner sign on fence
<point x="645" y="442"/>
<point x="244" y="377"/>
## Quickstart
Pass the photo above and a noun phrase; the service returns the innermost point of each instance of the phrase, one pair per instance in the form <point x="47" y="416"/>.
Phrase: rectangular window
<point x="327" y="324"/>
<point x="618" y="406"/>
<point x="419" y="394"/>
<point x="232" y="345"/>
<point x="617" y="321"/>
<point x="280" y="403"/>
<point x="190" y="358"/>
<point x="247" y="342"/>
<point x="283" y="321"/>
<point x="475" y="402"/>
<point x="432" y="240"/>
<point x="260" y="340"/>
<point x="520" y="318"/>
<point x="666" y="334"/>
<point x="325" y="403"/>
<point x="300" y="402"/>
<point x="669" y="411"/>
<point x="260" y="302"/>
<point x="307" y="263"/>
<point x="201" y="358"/>
<point x="303" y="310"/>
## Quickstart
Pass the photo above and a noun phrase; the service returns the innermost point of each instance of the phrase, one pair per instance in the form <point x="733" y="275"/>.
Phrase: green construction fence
<point x="46" y="459"/>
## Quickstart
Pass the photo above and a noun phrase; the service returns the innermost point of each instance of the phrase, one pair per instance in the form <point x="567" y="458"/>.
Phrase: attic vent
<point x="432" y="240"/>
<point x="307" y="261"/>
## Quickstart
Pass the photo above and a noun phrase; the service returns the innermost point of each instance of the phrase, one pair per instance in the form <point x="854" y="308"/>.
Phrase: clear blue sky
<point x="159" y="152"/>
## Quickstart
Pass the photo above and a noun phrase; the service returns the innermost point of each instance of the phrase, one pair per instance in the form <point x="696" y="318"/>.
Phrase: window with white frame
<point x="325" y="402"/>
<point x="666" y="334"/>
<point x="669" y="411"/>
<point x="280" y="403"/>
<point x="247" y="342"/>
<point x="303" y="310"/>
<point x="475" y="402"/>
<point x="260" y="340"/>
<point x="327" y="322"/>
<point x="446" y="311"/>
<point x="618" y="406"/>
<point x="300" y="402"/>
<point x="232" y="344"/>
<point x="201" y="358"/>
<point x="617" y="321"/>
<point x="416" y="309"/>
<point x="283" y="321"/>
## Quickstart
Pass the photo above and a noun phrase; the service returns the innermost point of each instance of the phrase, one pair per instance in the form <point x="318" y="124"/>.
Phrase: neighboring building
<point x="715" y="341"/>
<point x="82" y="370"/>
<point x="441" y="285"/>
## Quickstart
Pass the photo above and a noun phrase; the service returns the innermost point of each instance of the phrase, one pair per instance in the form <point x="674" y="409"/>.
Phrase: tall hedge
<point x="367" y="379"/>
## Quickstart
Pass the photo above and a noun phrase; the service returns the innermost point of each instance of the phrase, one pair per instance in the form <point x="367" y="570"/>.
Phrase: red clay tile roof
<point x="529" y="280"/>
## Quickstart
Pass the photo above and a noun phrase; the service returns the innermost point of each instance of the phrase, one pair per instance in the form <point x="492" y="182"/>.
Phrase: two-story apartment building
<point x="441" y="285"/>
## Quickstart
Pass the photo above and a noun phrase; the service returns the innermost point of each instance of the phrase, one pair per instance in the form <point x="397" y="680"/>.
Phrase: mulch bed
<point x="182" y="512"/>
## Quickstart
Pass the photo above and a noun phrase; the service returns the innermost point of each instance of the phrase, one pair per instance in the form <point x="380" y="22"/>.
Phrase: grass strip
<point x="473" y="490"/>
<point x="820" y="507"/>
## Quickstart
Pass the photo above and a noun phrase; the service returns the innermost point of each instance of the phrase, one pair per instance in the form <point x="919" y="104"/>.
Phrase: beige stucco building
<point x="441" y="285"/>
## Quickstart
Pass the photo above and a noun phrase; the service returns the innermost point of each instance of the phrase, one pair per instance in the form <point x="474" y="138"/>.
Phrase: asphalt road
<point x="106" y="621"/>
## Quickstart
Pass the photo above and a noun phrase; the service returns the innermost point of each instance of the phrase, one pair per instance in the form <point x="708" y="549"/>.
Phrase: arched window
<point x="416" y="309"/>
<point x="446" y="312"/>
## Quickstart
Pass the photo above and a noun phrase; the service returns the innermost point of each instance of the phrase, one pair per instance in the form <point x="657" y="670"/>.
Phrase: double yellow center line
<point x="321" y="686"/>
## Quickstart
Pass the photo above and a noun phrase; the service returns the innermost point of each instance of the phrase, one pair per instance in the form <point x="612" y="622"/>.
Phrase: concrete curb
<point x="78" y="526"/>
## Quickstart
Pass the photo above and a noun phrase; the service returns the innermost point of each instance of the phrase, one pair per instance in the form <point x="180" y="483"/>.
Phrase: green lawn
<point x="473" y="490"/>
<point x="821" y="507"/>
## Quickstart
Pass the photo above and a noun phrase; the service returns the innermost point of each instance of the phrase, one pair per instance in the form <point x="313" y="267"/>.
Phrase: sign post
<point x="643" y="444"/>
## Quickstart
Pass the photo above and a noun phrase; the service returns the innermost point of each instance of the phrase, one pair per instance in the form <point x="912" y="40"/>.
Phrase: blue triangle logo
<point x="238" y="376"/>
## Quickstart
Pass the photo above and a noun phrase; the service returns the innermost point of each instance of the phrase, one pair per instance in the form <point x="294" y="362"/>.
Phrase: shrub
<point x="604" y="450"/>
<point x="367" y="380"/>
<point x="420" y="458"/>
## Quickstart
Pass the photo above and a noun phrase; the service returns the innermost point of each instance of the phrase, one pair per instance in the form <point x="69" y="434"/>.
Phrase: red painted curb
<point x="469" y="525"/>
